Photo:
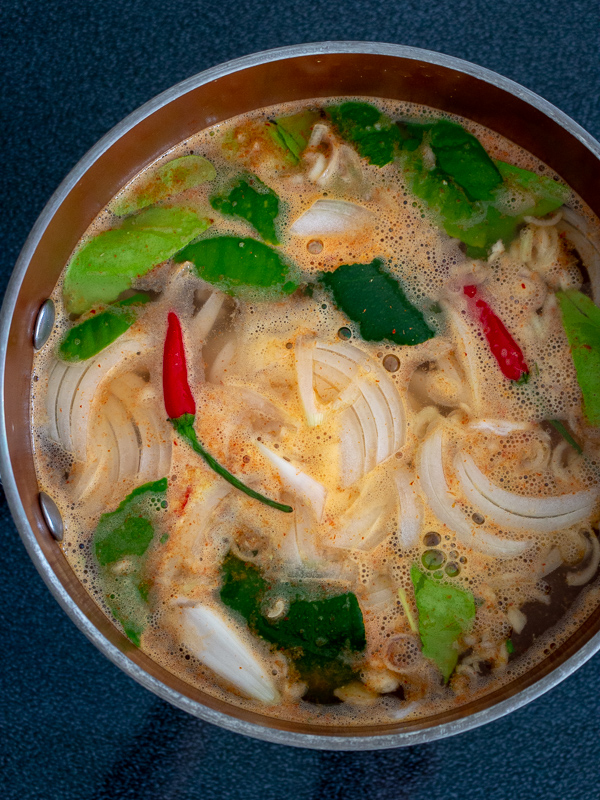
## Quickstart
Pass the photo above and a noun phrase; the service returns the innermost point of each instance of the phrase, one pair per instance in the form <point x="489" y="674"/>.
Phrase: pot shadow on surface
<point x="178" y="757"/>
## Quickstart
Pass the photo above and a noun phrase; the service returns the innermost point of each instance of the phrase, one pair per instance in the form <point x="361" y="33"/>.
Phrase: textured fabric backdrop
<point x="73" y="726"/>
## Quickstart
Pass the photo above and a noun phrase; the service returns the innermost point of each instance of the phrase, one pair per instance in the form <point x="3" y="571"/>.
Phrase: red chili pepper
<point x="504" y="348"/>
<point x="176" y="389"/>
<point x="181" y="408"/>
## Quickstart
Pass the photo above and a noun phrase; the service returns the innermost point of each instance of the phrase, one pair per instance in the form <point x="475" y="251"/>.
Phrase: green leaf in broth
<point x="546" y="193"/>
<point x="411" y="134"/>
<point x="91" y="336"/>
<point x="374" y="299"/>
<point x="250" y="199"/>
<point x="237" y="264"/>
<point x="581" y="321"/>
<point x="165" y="181"/>
<point x="471" y="195"/>
<point x="373" y="134"/>
<point x="127" y="531"/>
<point x="292" y="133"/>
<point x="318" y="635"/>
<point x="109" y="263"/>
<point x="461" y="156"/>
<point x="125" y="535"/>
<point x="131" y="537"/>
<point x="127" y="598"/>
<point x="445" y="614"/>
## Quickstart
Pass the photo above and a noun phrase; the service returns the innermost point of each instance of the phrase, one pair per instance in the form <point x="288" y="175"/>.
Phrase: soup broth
<point x="320" y="411"/>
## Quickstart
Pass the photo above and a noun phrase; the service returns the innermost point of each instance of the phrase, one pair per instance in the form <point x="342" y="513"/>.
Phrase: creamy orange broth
<point x="205" y="520"/>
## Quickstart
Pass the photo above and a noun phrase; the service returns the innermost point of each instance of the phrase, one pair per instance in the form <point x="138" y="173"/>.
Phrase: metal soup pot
<point x="286" y="74"/>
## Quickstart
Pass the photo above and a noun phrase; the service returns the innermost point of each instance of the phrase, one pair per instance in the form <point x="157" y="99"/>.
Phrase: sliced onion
<point x="577" y="231"/>
<point x="565" y="510"/>
<point x="404" y="711"/>
<point x="202" y="324"/>
<point x="586" y="574"/>
<point x="551" y="562"/>
<point x="466" y="352"/>
<point x="211" y="636"/>
<point x="264" y="407"/>
<point x="444" y="504"/>
<point x="126" y="444"/>
<point x="328" y="217"/>
<point x="501" y="427"/>
<point x="288" y="548"/>
<point x="352" y="449"/>
<point x="378" y="598"/>
<point x="155" y="440"/>
<point x="304" y="369"/>
<point x="306" y="488"/>
<point x="517" y="619"/>
<point x="96" y="483"/>
<point x="361" y="528"/>
<point x="318" y="168"/>
<point x="221" y="363"/>
<point x="125" y="434"/>
<point x="544" y="223"/>
<point x="318" y="132"/>
<point x="332" y="167"/>
<point x="411" y="509"/>
<point x="305" y="540"/>
<point x="374" y="426"/>
<point x="72" y="390"/>
<point x="366" y="419"/>
<point x="198" y="515"/>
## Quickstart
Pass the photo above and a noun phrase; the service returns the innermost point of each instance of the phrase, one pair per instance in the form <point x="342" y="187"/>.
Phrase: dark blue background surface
<point x="73" y="726"/>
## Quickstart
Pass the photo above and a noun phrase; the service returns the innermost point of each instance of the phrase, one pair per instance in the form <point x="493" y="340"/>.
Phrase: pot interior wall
<point x="303" y="77"/>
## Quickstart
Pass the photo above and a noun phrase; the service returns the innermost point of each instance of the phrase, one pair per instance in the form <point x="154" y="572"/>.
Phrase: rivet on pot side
<point x="52" y="516"/>
<point x="43" y="324"/>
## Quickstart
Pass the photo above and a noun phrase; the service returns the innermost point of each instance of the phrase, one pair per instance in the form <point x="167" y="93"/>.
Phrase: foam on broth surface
<point x="250" y="352"/>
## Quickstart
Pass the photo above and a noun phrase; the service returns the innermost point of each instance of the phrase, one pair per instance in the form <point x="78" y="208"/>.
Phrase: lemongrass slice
<point x="445" y="506"/>
<point x="328" y="217"/>
<point x="306" y="488"/>
<point x="212" y="637"/>
<point x="564" y="505"/>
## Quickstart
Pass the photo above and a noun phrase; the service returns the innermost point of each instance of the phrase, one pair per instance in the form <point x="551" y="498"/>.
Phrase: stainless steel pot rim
<point x="322" y="741"/>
